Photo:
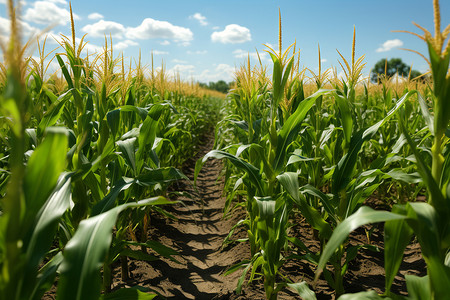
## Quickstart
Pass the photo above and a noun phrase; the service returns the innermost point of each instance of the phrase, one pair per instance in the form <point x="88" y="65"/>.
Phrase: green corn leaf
<point x="54" y="112"/>
<point x="418" y="287"/>
<point x="40" y="239"/>
<point x="343" y="173"/>
<point x="428" y="227"/>
<point x="156" y="246"/>
<point x="85" y="253"/>
<point x="128" y="149"/>
<point x="397" y="235"/>
<point x="46" y="277"/>
<point x="252" y="171"/>
<point x="128" y="294"/>
<point x="324" y="198"/>
<point x="429" y="119"/>
<point x="113" y="119"/>
<point x="291" y="128"/>
<point x="65" y="72"/>
<point x="439" y="68"/>
<point x="142" y="112"/>
<point x="138" y="254"/>
<point x="44" y="167"/>
<point x="364" y="215"/>
<point x="303" y="290"/>
<point x="346" y="116"/>
<point x="368" y="295"/>
<point x="161" y="175"/>
<point x="109" y="200"/>
<point x="147" y="135"/>
<point x="442" y="204"/>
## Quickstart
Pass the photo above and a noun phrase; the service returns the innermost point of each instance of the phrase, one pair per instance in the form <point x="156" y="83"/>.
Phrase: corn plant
<point x="428" y="221"/>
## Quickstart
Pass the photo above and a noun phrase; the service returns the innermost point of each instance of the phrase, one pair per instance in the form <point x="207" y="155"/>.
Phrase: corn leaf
<point x="44" y="167"/>
<point x="344" y="169"/>
<point x="128" y="294"/>
<point x="368" y="295"/>
<point x="252" y="171"/>
<point x="397" y="235"/>
<point x="291" y="129"/>
<point x="43" y="232"/>
<point x="418" y="287"/>
<point x="303" y="290"/>
<point x="85" y="253"/>
<point x="364" y="215"/>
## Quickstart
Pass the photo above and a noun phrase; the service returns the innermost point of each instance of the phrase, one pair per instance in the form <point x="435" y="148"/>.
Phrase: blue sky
<point x="206" y="39"/>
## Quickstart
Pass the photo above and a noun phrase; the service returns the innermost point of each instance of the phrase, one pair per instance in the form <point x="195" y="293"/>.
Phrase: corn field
<point x="91" y="153"/>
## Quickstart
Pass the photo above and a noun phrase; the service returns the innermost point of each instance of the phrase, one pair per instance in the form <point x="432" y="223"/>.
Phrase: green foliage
<point x="391" y="67"/>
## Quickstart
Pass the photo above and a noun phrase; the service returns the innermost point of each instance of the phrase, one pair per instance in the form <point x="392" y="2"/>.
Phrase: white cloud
<point x="179" y="61"/>
<point x="201" y="19"/>
<point x="124" y="44"/>
<point x="389" y="45"/>
<point x="46" y="12"/>
<point x="183" y="70"/>
<point x="158" y="52"/>
<point x="221" y="72"/>
<point x="64" y="2"/>
<point x="239" y="53"/>
<point x="27" y="30"/>
<point x="323" y="60"/>
<point x="165" y="43"/>
<point x="232" y="34"/>
<point x="151" y="28"/>
<point x="95" y="16"/>
<point x="198" y="52"/>
<point x="102" y="28"/>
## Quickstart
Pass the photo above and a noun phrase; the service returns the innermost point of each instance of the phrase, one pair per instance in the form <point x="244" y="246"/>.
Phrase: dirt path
<point x="197" y="235"/>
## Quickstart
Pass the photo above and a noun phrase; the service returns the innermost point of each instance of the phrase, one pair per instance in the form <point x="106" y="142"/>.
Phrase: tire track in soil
<point x="197" y="235"/>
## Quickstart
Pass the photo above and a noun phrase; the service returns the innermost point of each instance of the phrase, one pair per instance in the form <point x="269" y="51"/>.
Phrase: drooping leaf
<point x="364" y="215"/>
<point x="109" y="200"/>
<point x="251" y="170"/>
<point x="303" y="290"/>
<point x="85" y="253"/>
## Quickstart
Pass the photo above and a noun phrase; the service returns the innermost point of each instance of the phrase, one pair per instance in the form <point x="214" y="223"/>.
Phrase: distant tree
<point x="390" y="68"/>
<point x="220" y="86"/>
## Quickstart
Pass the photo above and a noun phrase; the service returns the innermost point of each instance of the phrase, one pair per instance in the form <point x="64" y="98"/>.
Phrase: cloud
<point x="27" y="30"/>
<point x="124" y="44"/>
<point x="179" y="61"/>
<point x="233" y="34"/>
<point x="201" y="19"/>
<point x="47" y="12"/>
<point x="323" y="60"/>
<point x="389" y="45"/>
<point x="198" y="52"/>
<point x="64" y="2"/>
<point x="95" y="16"/>
<point x="158" y="52"/>
<point x="165" y="43"/>
<point x="220" y="72"/>
<point x="102" y="28"/>
<point x="239" y="53"/>
<point x="150" y="29"/>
